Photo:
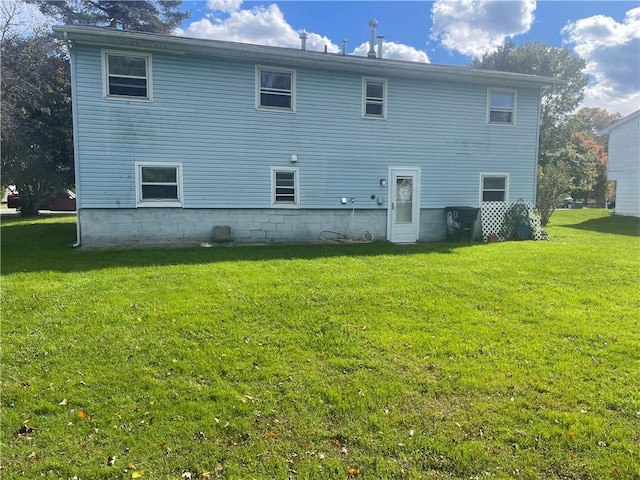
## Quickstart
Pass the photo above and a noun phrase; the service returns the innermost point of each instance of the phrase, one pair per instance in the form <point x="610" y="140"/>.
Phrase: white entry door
<point x="403" y="214"/>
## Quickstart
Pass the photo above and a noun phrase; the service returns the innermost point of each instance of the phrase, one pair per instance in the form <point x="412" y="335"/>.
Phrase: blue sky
<point x="605" y="33"/>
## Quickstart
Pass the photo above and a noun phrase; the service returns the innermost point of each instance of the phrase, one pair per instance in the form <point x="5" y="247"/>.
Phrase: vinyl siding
<point x="624" y="166"/>
<point x="203" y="115"/>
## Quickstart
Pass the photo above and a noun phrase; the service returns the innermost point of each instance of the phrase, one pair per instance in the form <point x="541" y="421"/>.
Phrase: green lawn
<point x="375" y="361"/>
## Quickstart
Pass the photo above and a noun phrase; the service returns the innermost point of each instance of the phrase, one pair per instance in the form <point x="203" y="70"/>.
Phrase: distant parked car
<point x="568" y="202"/>
<point x="13" y="200"/>
<point x="64" y="201"/>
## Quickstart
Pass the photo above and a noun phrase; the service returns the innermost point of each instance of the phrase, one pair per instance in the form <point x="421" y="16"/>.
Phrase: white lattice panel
<point x="492" y="214"/>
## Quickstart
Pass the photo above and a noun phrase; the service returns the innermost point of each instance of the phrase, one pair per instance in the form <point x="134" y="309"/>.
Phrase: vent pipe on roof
<point x="303" y="40"/>
<point x="344" y="47"/>
<point x="380" y="42"/>
<point x="373" y="23"/>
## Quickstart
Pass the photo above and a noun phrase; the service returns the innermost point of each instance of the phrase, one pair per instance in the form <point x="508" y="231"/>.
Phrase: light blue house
<point x="176" y="136"/>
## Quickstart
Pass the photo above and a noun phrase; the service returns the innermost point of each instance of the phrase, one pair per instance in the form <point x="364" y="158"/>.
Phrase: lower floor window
<point x="284" y="187"/>
<point x="494" y="188"/>
<point x="159" y="184"/>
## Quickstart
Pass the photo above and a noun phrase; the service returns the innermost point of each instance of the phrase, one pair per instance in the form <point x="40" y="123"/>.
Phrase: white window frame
<point x="498" y="109"/>
<point x="290" y="71"/>
<point x="105" y="75"/>
<point x="296" y="187"/>
<point x="140" y="202"/>
<point x="506" y="185"/>
<point x="385" y="98"/>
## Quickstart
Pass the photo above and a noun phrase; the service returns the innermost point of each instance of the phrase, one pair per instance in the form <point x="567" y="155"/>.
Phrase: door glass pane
<point x="404" y="200"/>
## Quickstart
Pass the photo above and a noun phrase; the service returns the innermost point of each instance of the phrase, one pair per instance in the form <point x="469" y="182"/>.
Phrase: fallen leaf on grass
<point x="130" y="466"/>
<point x="111" y="460"/>
<point x="25" y="430"/>
<point x="206" y="475"/>
<point x="353" y="472"/>
<point x="137" y="474"/>
<point x="63" y="403"/>
<point x="271" y="434"/>
<point x="32" y="456"/>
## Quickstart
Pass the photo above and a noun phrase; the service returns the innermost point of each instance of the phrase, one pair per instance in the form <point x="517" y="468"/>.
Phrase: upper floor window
<point x="284" y="187"/>
<point x="275" y="89"/>
<point x="501" y="107"/>
<point x="127" y="75"/>
<point x="494" y="188"/>
<point x="374" y="97"/>
<point x="159" y="184"/>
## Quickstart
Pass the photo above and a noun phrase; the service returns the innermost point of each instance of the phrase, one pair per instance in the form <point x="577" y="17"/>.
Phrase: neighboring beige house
<point x="624" y="163"/>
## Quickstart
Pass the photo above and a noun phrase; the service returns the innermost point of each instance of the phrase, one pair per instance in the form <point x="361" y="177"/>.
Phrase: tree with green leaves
<point x="159" y="16"/>
<point x="592" y="120"/>
<point x="37" y="145"/>
<point x="558" y="101"/>
<point x="554" y="181"/>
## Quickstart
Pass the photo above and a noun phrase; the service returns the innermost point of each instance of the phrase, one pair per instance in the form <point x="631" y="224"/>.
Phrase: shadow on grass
<point x="43" y="245"/>
<point x="615" y="224"/>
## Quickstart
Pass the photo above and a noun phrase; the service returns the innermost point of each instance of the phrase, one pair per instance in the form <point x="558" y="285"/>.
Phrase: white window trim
<point x="385" y="98"/>
<point x="158" y="203"/>
<point x="290" y="71"/>
<point x="105" y="76"/>
<point x="515" y="103"/>
<point x="506" y="184"/>
<point x="296" y="185"/>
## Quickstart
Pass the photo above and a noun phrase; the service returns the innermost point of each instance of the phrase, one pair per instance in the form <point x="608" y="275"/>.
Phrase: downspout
<point x="74" y="116"/>
<point x="535" y="169"/>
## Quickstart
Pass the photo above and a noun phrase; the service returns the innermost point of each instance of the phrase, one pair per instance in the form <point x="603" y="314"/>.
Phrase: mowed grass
<point x="370" y="361"/>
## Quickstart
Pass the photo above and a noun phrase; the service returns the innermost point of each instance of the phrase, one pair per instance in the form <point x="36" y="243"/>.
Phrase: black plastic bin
<point x="461" y="223"/>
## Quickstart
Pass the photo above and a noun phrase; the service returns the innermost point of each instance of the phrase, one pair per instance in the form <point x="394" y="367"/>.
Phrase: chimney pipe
<point x="303" y="40"/>
<point x="380" y="42"/>
<point x="344" y="47"/>
<point x="373" y="23"/>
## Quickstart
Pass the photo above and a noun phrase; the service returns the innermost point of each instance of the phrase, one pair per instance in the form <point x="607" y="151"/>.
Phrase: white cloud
<point x="267" y="26"/>
<point x="260" y="25"/>
<point x="226" y="6"/>
<point x="396" y="51"/>
<point x="612" y="53"/>
<point x="476" y="27"/>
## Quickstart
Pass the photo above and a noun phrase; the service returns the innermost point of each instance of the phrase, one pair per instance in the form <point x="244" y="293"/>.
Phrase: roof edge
<point x="180" y="45"/>
<point x="619" y="123"/>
